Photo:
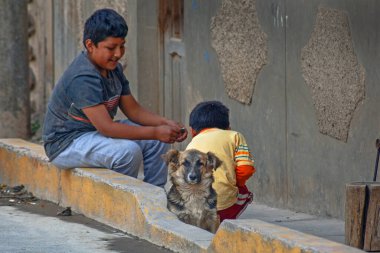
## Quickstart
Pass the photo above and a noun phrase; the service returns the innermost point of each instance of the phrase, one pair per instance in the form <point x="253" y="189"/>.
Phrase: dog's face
<point x="191" y="197"/>
<point x="192" y="165"/>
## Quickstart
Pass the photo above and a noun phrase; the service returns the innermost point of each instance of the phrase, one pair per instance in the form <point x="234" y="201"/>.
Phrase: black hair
<point x="209" y="114"/>
<point x="104" y="23"/>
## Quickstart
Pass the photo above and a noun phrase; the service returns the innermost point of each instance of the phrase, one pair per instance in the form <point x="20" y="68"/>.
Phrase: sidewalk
<point x="137" y="208"/>
<point x="328" y="228"/>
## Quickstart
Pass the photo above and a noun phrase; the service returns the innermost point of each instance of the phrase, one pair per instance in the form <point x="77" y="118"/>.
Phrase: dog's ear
<point x="171" y="157"/>
<point x="213" y="161"/>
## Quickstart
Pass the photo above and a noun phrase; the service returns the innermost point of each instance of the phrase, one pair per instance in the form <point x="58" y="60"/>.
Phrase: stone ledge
<point x="259" y="236"/>
<point x="139" y="208"/>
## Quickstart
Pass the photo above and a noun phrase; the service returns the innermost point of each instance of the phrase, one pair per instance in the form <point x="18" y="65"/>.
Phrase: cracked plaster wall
<point x="332" y="72"/>
<point x="241" y="47"/>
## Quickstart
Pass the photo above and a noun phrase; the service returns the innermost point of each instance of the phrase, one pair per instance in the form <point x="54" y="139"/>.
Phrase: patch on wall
<point x="241" y="47"/>
<point x="332" y="72"/>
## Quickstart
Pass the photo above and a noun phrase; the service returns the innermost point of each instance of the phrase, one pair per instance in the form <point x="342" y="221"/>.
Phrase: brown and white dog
<point x="191" y="197"/>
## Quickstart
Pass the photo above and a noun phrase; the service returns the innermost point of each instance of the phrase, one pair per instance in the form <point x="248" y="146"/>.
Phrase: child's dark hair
<point x="209" y="114"/>
<point x="104" y="23"/>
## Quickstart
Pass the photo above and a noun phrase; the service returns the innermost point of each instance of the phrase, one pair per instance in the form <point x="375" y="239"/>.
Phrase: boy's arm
<point x="244" y="162"/>
<point x="101" y="120"/>
<point x="138" y="114"/>
<point x="243" y="173"/>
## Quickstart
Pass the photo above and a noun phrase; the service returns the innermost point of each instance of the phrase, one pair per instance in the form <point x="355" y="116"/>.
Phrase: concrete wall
<point x="309" y="106"/>
<point x="14" y="88"/>
<point x="319" y="163"/>
<point x="298" y="76"/>
<point x="41" y="61"/>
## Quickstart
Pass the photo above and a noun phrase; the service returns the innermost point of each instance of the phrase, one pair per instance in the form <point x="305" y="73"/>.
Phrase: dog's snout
<point x="192" y="177"/>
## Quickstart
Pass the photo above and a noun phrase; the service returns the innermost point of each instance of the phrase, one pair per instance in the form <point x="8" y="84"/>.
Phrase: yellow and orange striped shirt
<point x="237" y="162"/>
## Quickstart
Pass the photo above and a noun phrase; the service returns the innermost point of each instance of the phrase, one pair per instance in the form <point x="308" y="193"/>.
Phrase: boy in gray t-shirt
<point x="79" y="130"/>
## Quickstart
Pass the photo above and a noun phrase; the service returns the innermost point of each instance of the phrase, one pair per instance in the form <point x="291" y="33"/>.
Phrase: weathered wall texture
<point x="333" y="73"/>
<point x="308" y="122"/>
<point x="241" y="46"/>
<point x="14" y="88"/>
<point x="40" y="33"/>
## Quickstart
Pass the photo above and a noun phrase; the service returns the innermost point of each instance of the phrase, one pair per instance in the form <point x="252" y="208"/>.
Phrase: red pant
<point x="233" y="212"/>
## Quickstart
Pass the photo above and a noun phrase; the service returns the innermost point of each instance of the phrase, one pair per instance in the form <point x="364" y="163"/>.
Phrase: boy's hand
<point x="183" y="135"/>
<point x="181" y="130"/>
<point x="168" y="134"/>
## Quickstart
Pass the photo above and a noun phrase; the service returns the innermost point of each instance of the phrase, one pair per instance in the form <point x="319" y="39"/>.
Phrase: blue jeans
<point x="93" y="150"/>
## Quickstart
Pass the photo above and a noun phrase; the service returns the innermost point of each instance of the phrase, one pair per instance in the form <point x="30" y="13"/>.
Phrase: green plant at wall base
<point x="34" y="127"/>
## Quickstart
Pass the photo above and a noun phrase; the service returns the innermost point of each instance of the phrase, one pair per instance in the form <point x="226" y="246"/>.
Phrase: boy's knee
<point x="161" y="147"/>
<point x="128" y="158"/>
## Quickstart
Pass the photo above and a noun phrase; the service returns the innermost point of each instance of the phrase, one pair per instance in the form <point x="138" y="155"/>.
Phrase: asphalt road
<point x="34" y="226"/>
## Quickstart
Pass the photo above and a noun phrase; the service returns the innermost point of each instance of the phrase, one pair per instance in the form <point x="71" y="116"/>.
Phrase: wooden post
<point x="355" y="205"/>
<point x="362" y="228"/>
<point x="372" y="231"/>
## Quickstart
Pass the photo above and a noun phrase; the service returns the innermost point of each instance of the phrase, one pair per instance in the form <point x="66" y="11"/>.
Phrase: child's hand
<point x="244" y="194"/>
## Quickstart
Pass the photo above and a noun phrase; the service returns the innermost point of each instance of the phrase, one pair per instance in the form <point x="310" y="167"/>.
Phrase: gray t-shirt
<point x="80" y="86"/>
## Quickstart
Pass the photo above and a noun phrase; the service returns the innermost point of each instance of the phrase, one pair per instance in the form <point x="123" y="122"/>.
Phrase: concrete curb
<point x="138" y="208"/>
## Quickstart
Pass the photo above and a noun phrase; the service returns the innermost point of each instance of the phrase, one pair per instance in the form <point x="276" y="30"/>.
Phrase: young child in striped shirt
<point x="210" y="128"/>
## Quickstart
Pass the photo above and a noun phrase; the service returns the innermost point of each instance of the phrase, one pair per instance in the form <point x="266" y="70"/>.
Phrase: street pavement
<point x="35" y="227"/>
